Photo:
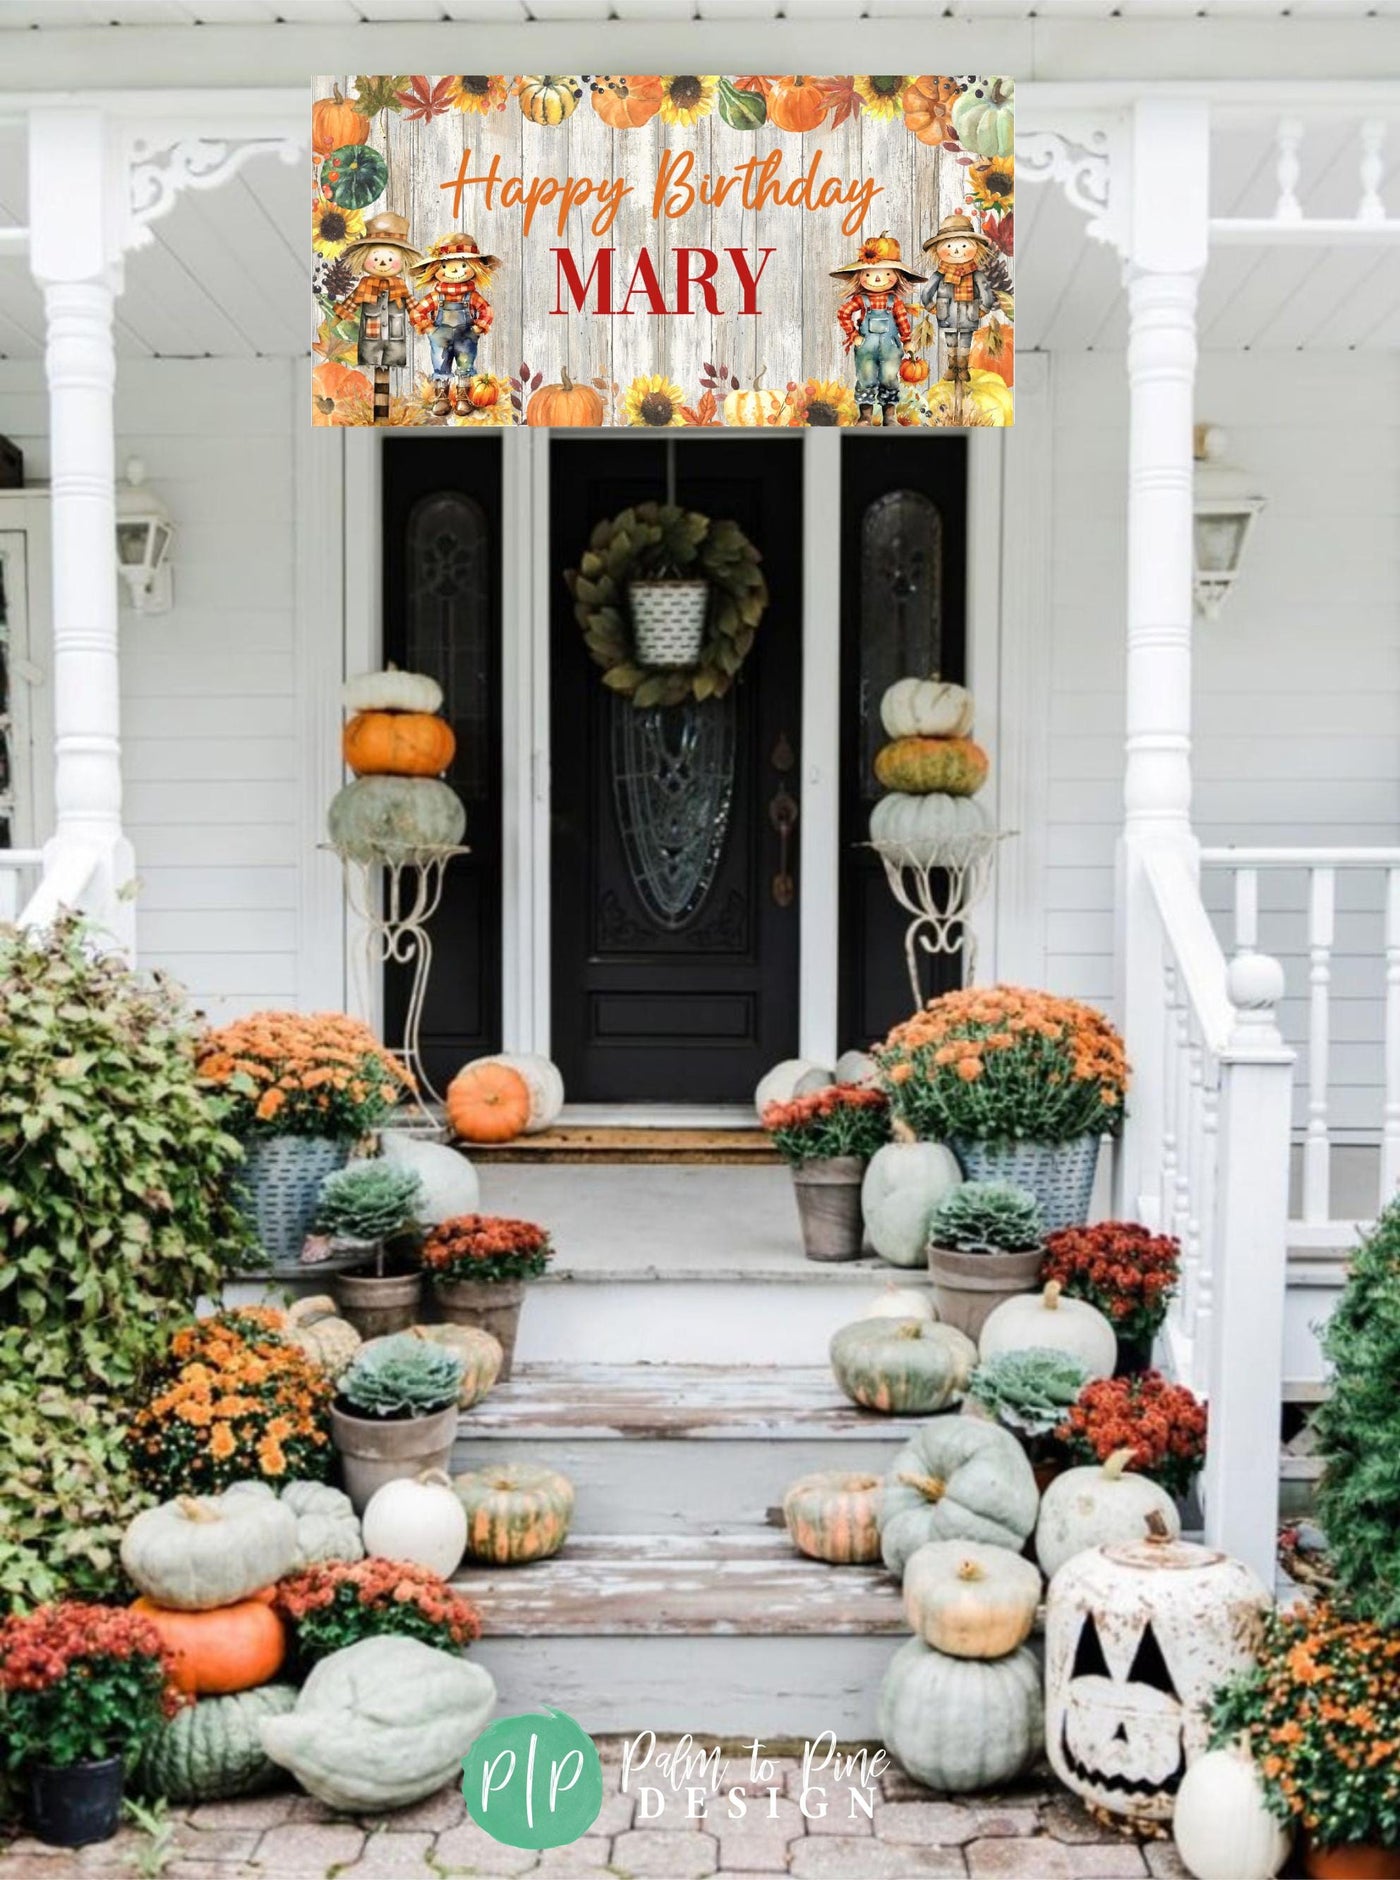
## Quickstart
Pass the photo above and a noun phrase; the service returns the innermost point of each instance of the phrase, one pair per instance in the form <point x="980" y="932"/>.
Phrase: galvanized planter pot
<point x="1059" y="1174"/>
<point x="279" y="1184"/>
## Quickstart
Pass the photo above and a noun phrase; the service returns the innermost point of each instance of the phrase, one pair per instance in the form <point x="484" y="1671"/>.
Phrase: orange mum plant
<point x="340" y="1602"/>
<point x="842" y="1119"/>
<point x="1003" y="1064"/>
<point x="234" y="1401"/>
<point x="302" y="1074"/>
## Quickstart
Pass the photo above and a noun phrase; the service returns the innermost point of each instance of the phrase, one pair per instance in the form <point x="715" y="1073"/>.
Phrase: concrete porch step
<point x="677" y="1449"/>
<point x="730" y="1634"/>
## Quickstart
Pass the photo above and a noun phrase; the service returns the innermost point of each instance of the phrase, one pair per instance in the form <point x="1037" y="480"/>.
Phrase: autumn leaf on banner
<point x="702" y="412"/>
<point x="842" y="99"/>
<point x="423" y="100"/>
<point x="756" y="82"/>
<point x="375" y="94"/>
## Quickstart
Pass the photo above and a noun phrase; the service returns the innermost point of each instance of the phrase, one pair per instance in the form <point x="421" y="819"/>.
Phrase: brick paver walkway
<point x="1031" y="1833"/>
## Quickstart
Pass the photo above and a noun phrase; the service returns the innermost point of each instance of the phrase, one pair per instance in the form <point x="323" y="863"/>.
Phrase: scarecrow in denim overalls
<point x="962" y="295"/>
<point x="380" y="301"/>
<point x="453" y="312"/>
<point x="876" y="322"/>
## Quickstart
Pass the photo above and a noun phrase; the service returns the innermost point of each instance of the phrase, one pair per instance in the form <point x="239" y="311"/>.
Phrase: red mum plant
<point x="487" y="1247"/>
<point x="842" y="1119"/>
<point x="80" y="1683"/>
<point x="1163" y="1425"/>
<point x="342" y="1601"/>
<point x="1120" y="1267"/>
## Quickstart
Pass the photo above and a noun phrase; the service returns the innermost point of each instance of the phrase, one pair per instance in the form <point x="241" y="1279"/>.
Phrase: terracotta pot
<point x="492" y="1306"/>
<point x="375" y="1306"/>
<point x="1362" y="1861"/>
<point x="828" y="1206"/>
<point x="376" y="1450"/>
<point x="969" y="1286"/>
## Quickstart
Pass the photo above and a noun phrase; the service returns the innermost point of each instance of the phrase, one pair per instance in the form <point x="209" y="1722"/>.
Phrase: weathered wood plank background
<point x="794" y="338"/>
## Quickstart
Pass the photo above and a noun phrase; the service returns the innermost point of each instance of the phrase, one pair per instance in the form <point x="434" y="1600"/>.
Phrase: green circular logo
<point x="534" y="1781"/>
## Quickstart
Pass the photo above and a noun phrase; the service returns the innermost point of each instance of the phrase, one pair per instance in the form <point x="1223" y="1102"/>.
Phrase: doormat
<point x="603" y="1143"/>
<point x="663" y="252"/>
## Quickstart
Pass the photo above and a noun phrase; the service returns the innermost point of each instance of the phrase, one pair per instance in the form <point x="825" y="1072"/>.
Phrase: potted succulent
<point x="369" y="1210"/>
<point x="478" y="1265"/>
<point x="1125" y="1270"/>
<point x="985" y="1242"/>
<point x="1029" y="1392"/>
<point x="826" y="1139"/>
<point x="1021" y="1085"/>
<point x="302" y="1089"/>
<point x="1319" y="1714"/>
<point x="1164" y="1425"/>
<point x="395" y="1413"/>
<point x="83" y="1689"/>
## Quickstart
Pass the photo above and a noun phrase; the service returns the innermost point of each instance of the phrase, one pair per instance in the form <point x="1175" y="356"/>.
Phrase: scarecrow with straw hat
<point x="961" y="295"/>
<point x="876" y="322"/>
<point x="453" y="311"/>
<point x="381" y="300"/>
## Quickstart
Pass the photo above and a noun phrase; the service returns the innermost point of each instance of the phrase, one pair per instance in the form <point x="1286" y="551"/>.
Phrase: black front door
<point x="675" y="899"/>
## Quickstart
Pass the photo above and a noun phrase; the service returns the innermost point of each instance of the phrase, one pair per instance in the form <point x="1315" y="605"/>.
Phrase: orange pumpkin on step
<point x="227" y="1649"/>
<point x="566" y="403"/>
<point x="488" y="1103"/>
<point x="398" y="744"/>
<point x="796" y="104"/>
<point x="335" y="123"/>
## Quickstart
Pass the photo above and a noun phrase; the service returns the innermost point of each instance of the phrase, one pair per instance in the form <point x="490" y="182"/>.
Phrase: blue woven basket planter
<point x="278" y="1186"/>
<point x="1059" y="1174"/>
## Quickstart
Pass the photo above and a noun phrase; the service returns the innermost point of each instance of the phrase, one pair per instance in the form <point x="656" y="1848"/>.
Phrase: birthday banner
<point x="663" y="251"/>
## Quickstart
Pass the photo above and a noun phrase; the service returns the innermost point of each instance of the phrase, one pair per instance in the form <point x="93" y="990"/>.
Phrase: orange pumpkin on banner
<point x="488" y="1103"/>
<point x="878" y="248"/>
<point x="796" y="104"/>
<point x="482" y="391"/>
<point x="398" y="744"/>
<point x="565" y="404"/>
<point x="913" y="371"/>
<point x="927" y="104"/>
<point x="625" y="103"/>
<point x="336" y="123"/>
<point x="994" y="350"/>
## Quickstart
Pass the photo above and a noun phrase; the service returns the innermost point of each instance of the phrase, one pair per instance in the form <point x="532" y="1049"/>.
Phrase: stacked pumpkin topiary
<point x="398" y="745"/>
<point x="932" y="769"/>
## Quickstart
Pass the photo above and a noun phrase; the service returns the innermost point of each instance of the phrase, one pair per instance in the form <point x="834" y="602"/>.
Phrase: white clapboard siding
<point x="1297" y="685"/>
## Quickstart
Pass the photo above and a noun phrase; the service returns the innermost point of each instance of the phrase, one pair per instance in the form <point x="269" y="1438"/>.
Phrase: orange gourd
<point x="227" y="1649"/>
<point x="565" y="404"/>
<point x="398" y="744"/>
<point x="878" y="248"/>
<point x="913" y="371"/>
<point x="796" y="104"/>
<point x="624" y="103"/>
<point x="482" y="391"/>
<point x="335" y="123"/>
<point x="994" y="350"/>
<point x="927" y="104"/>
<point x="488" y="1103"/>
<point x="835" y="1517"/>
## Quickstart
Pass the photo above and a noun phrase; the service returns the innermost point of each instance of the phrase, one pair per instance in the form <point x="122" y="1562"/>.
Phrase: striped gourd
<point x="835" y="1516"/>
<point x="516" y="1513"/>
<point x="921" y="766"/>
<point x="212" y="1750"/>
<point x="902" y="1366"/>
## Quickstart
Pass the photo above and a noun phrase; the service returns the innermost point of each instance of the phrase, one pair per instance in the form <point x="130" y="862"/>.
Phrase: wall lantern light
<point x="1223" y="516"/>
<point x="144" y="535"/>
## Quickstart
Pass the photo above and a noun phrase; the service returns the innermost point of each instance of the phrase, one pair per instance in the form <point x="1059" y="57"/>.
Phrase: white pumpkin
<point x="1221" y="1824"/>
<point x="447" y="1179"/>
<point x="903" y="1185"/>
<point x="901" y="1302"/>
<point x="926" y="708"/>
<point x="794" y="1077"/>
<point x="327" y="1526"/>
<point x="542" y="1080"/>
<point x="857" y="1068"/>
<point x="1048" y="1319"/>
<point x="391" y="691"/>
<point x="969" y="1599"/>
<point x="420" y="1519"/>
<point x="927" y="825"/>
<point x="1099" y="1506"/>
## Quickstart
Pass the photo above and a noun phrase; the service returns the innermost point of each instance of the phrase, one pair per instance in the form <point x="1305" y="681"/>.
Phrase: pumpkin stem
<point x="909" y="1328"/>
<point x="970" y="1570"/>
<point x="758" y="378"/>
<point x="565" y="382"/>
<point x="901" y="1131"/>
<point x="337" y="95"/>
<point x="931" y="1487"/>
<point x="1050" y="1298"/>
<point x="193" y="1509"/>
<point x="438" y="1477"/>
<point x="1115" y="1464"/>
<point x="1158" y="1533"/>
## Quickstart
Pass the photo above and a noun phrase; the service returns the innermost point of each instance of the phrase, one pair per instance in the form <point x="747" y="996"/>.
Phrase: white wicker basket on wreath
<point x="668" y="621"/>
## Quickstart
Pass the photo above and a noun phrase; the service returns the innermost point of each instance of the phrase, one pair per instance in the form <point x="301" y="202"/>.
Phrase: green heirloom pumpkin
<point x="962" y="1723"/>
<point x="903" y="1185"/>
<point x="921" y="766"/>
<point x="198" y="1552"/>
<point x="902" y="1366"/>
<point x="515" y="1513"/>
<point x="212" y="1751"/>
<point x="984" y="117"/>
<point x="354" y="176"/>
<point x="327" y="1526"/>
<point x="373" y="814"/>
<point x="381" y="1724"/>
<point x="957" y="1479"/>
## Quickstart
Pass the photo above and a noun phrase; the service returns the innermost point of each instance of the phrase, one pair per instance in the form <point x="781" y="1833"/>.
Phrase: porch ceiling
<point x="59" y="14"/>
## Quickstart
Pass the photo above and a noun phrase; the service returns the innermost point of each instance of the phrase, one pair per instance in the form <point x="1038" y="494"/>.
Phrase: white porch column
<point x="1167" y="235"/>
<point x="76" y="218"/>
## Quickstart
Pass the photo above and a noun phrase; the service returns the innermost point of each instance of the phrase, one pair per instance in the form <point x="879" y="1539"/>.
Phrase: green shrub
<point x="401" y="1376"/>
<point x="115" y="1209"/>
<point x="1358" y="1427"/>
<point x="988" y="1217"/>
<point x="369" y="1201"/>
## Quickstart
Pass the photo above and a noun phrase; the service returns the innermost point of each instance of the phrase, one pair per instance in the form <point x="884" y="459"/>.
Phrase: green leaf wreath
<point x="656" y="538"/>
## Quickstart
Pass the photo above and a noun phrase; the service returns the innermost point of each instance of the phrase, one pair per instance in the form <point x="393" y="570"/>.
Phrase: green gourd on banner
<point x="354" y="176"/>
<point x="985" y="117"/>
<point x="212" y="1751"/>
<point x="742" y="110"/>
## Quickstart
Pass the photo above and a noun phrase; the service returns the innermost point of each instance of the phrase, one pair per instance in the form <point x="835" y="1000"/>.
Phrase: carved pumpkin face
<point x="1122" y="1735"/>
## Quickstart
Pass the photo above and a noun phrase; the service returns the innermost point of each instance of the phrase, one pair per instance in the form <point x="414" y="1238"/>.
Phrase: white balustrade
<point x="19" y="871"/>
<point x="1292" y="220"/>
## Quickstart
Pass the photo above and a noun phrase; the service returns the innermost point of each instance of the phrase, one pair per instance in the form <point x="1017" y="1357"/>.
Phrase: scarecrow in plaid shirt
<point x="963" y="295"/>
<point x="453" y="312"/>
<point x="876" y="322"/>
<point x="380" y="299"/>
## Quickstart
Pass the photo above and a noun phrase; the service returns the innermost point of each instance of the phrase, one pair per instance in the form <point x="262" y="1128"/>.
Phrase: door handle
<point x="783" y="814"/>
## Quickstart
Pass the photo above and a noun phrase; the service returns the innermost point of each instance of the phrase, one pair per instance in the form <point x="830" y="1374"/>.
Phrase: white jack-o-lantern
<point x="1136" y="1639"/>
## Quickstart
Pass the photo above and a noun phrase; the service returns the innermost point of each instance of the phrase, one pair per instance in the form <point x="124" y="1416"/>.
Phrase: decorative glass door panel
<point x="901" y="608"/>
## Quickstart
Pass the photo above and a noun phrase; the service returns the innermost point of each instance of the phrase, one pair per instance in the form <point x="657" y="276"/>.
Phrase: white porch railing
<point x="20" y="870"/>
<point x="1303" y="915"/>
<point x="1212" y="1151"/>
